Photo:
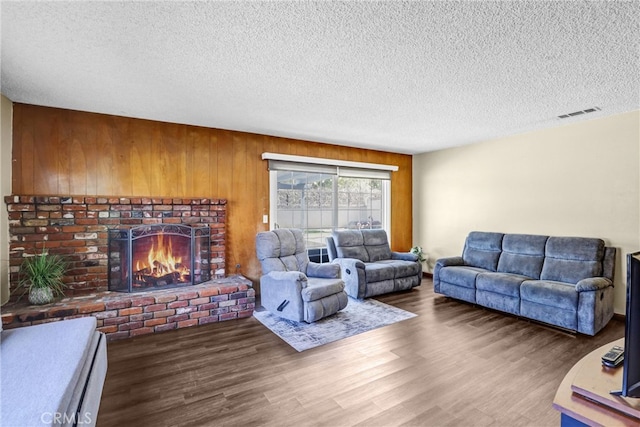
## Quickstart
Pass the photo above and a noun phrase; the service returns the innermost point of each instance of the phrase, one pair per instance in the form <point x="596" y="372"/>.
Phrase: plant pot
<point x="40" y="296"/>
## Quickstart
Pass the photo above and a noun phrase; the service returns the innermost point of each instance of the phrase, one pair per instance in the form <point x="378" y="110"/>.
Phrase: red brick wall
<point x="76" y="228"/>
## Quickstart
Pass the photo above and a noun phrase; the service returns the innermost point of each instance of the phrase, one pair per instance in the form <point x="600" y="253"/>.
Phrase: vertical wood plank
<point x="225" y="165"/>
<point x="63" y="167"/>
<point x="77" y="165"/>
<point x="46" y="168"/>
<point x="104" y="159"/>
<point x="141" y="164"/>
<point x="200" y="169"/>
<point x="22" y="158"/>
<point x="213" y="166"/>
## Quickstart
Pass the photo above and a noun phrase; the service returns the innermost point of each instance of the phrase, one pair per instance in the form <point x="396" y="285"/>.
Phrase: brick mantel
<point x="76" y="228"/>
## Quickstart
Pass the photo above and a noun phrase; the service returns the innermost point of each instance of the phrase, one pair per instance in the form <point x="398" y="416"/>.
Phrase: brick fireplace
<point x="77" y="228"/>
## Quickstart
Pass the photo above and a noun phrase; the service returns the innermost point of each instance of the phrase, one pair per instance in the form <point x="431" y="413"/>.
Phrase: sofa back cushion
<point x="282" y="250"/>
<point x="376" y="244"/>
<point x="522" y="254"/>
<point x="571" y="259"/>
<point x="482" y="249"/>
<point x="350" y="244"/>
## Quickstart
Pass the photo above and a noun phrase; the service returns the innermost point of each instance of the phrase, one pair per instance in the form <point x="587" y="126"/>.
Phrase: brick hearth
<point x="124" y="315"/>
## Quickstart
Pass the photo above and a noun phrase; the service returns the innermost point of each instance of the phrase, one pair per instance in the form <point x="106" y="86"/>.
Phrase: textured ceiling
<point x="407" y="77"/>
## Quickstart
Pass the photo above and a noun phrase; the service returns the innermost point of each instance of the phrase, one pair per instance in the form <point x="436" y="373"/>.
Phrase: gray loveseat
<point x="368" y="265"/>
<point x="52" y="374"/>
<point x="563" y="281"/>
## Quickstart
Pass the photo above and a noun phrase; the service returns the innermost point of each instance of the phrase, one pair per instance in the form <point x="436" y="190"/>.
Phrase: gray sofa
<point x="52" y="374"/>
<point x="562" y="281"/>
<point x="368" y="265"/>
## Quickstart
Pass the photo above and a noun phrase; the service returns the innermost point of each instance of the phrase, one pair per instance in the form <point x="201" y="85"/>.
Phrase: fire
<point x="161" y="261"/>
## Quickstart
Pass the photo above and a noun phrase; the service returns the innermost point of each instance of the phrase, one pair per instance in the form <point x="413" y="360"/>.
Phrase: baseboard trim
<point x="426" y="275"/>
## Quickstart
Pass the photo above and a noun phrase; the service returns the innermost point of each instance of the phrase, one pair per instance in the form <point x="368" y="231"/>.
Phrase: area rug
<point x="359" y="316"/>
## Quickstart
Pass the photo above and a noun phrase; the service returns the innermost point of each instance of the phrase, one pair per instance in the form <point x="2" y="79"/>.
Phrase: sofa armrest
<point x="353" y="276"/>
<point x="441" y="263"/>
<point x="288" y="277"/>
<point x="593" y="284"/>
<point x="278" y="286"/>
<point x="404" y="256"/>
<point x="324" y="271"/>
<point x="448" y="262"/>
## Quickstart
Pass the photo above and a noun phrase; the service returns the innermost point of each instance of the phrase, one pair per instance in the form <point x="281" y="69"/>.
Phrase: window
<point x="318" y="198"/>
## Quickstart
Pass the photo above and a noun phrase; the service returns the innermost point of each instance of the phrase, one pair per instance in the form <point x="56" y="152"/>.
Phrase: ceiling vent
<point x="579" y="113"/>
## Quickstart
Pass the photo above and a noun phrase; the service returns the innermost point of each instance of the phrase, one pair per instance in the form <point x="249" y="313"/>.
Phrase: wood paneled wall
<point x="58" y="151"/>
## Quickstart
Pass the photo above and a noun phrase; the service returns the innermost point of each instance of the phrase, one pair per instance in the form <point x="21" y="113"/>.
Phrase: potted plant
<point x="41" y="276"/>
<point x="418" y="251"/>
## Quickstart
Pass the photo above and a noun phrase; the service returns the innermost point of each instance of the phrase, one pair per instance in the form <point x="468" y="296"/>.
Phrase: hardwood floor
<point x="452" y="365"/>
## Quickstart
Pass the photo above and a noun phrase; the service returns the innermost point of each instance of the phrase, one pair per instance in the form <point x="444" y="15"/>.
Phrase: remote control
<point x="613" y="356"/>
<point x="615" y="364"/>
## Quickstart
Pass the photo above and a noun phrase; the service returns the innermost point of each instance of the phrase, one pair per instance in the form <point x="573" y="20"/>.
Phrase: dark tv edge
<point x="631" y="364"/>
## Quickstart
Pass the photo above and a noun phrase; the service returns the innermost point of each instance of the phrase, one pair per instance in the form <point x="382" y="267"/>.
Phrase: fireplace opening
<point x="158" y="256"/>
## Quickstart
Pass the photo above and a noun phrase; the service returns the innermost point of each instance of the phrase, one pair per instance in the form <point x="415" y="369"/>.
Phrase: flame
<point x="161" y="261"/>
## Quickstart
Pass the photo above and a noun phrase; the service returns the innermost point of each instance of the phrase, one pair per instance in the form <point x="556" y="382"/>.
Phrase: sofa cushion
<point x="376" y="244"/>
<point x="464" y="276"/>
<point x="482" y="250"/>
<point x="571" y="259"/>
<point x="500" y="283"/>
<point x="319" y="288"/>
<point x="350" y="244"/>
<point x="282" y="250"/>
<point x="522" y="254"/>
<point x="550" y="293"/>
<point x="401" y="268"/>
<point x="378" y="271"/>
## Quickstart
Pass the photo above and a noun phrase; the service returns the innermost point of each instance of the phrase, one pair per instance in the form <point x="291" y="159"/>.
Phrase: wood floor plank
<point x="454" y="364"/>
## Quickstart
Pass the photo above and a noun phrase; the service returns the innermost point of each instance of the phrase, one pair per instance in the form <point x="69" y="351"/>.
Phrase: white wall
<point x="6" y="112"/>
<point x="576" y="180"/>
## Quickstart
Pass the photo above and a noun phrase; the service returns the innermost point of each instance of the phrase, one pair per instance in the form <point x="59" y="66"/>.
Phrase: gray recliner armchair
<point x="293" y="287"/>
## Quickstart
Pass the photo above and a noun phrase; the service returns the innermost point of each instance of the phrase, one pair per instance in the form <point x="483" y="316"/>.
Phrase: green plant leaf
<point x="43" y="271"/>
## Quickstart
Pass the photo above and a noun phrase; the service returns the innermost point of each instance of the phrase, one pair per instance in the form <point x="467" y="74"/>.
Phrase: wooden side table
<point x="583" y="397"/>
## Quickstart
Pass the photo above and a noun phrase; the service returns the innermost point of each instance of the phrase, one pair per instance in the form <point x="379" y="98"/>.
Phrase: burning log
<point x="141" y="279"/>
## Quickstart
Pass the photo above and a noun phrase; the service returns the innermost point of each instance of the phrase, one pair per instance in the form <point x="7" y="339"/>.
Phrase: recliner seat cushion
<point x="550" y="293"/>
<point x="378" y="271"/>
<point x="401" y="268"/>
<point x="501" y="283"/>
<point x="319" y="288"/>
<point x="461" y="275"/>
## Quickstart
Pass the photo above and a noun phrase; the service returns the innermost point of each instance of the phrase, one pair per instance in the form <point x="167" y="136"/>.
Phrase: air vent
<point x="579" y="113"/>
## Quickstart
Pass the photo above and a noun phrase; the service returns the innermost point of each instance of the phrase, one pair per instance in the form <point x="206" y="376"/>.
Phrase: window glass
<point x="318" y="203"/>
